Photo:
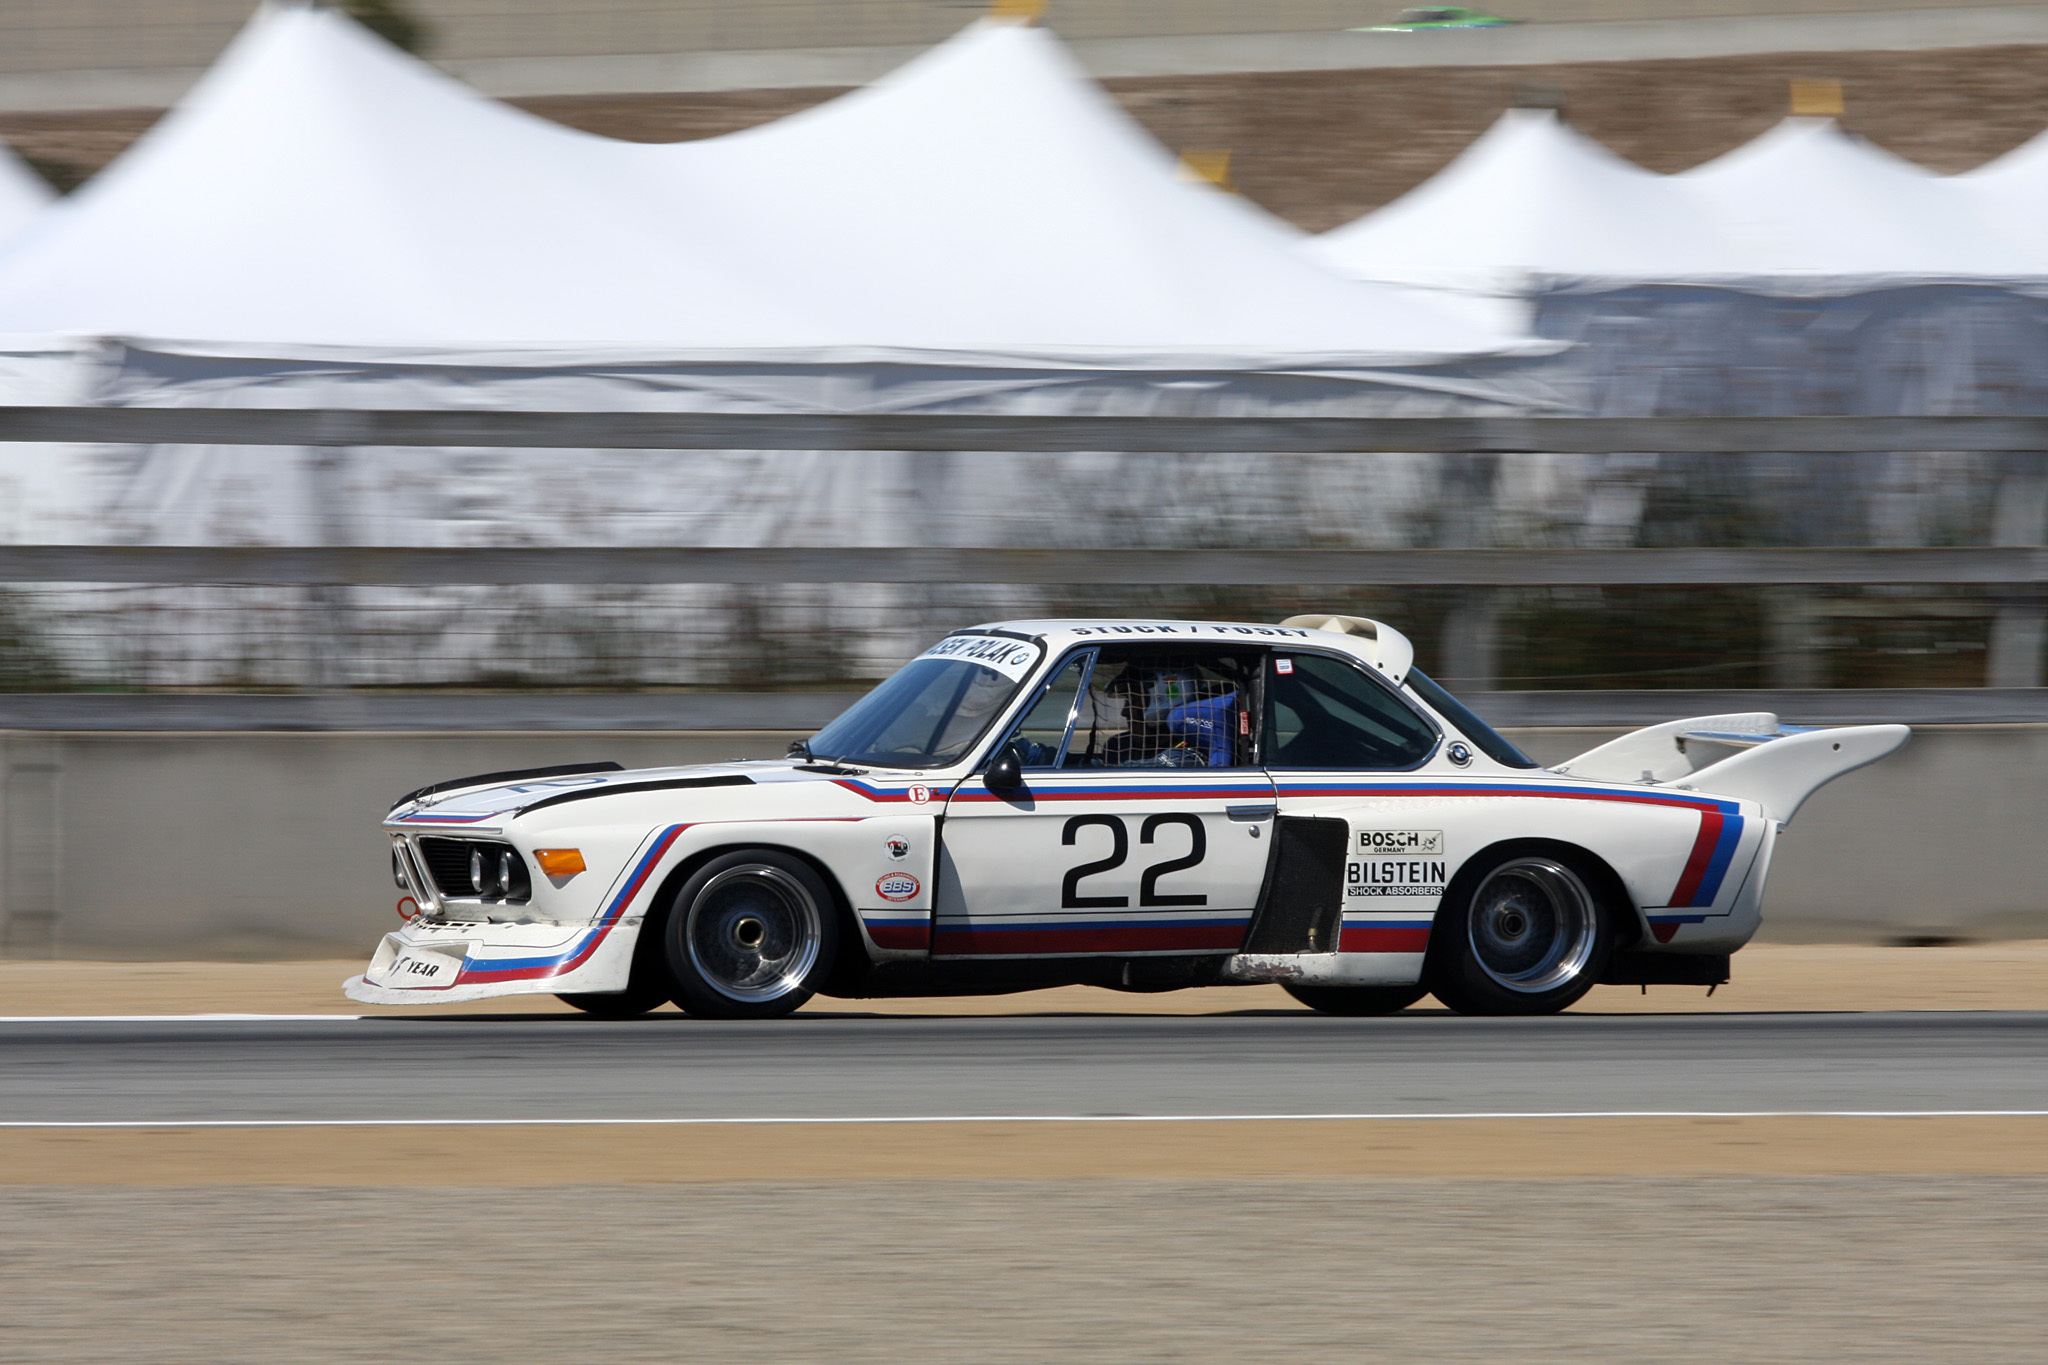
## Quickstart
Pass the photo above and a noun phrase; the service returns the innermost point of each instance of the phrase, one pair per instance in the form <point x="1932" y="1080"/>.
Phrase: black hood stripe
<point x="629" y="788"/>
<point x="514" y="775"/>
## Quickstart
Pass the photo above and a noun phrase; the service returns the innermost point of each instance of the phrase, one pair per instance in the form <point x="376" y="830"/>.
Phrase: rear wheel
<point x="1356" y="1000"/>
<point x="1529" y="936"/>
<point x="751" y="935"/>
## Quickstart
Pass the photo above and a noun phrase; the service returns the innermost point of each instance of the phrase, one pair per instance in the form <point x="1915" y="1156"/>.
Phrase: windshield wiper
<point x="813" y="763"/>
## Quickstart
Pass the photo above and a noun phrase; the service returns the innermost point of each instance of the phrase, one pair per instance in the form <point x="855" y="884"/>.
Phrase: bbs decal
<point x="1155" y="829"/>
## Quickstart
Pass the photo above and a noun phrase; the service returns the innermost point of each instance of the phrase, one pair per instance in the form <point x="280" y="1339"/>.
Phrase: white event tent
<point x="1805" y="272"/>
<point x="1531" y="204"/>
<point x="23" y="194"/>
<point x="321" y="188"/>
<point x="1804" y="209"/>
<point x="2012" y="190"/>
<point x="325" y="221"/>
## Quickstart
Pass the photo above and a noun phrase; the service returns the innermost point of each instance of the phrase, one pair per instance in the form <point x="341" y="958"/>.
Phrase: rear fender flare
<point x="1624" y="916"/>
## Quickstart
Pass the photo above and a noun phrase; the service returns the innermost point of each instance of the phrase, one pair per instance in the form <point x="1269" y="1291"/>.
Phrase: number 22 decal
<point x="1120" y="849"/>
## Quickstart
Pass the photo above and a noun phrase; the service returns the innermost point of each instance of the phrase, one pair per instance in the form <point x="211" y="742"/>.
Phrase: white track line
<point x="1489" y="1115"/>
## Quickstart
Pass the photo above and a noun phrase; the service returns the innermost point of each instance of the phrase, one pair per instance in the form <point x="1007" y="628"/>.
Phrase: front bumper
<point x="430" y="963"/>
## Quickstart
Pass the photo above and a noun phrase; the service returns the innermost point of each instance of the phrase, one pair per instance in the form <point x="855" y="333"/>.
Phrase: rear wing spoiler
<point x="1749" y="755"/>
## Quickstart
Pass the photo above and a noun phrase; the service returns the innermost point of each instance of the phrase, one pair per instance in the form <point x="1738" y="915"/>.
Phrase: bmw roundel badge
<point x="1459" y="754"/>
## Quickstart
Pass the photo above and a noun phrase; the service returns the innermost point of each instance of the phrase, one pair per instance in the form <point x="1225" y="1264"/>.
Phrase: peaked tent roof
<point x="2012" y="190"/>
<point x="1533" y="198"/>
<point x="23" y="194"/>
<point x="1809" y="203"/>
<point x="992" y="194"/>
<point x="318" y="186"/>
<point x="321" y="188"/>
<point x="1803" y="209"/>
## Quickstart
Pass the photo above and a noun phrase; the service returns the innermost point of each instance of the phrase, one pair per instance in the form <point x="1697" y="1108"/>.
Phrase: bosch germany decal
<point x="1400" y="842"/>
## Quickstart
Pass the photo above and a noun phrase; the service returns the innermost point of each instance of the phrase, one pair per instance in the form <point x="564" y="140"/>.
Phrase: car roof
<point x="1371" y="642"/>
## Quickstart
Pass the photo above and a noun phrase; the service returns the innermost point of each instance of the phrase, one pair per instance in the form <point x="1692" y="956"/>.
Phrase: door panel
<point x="1094" y="862"/>
<point x="1143" y="826"/>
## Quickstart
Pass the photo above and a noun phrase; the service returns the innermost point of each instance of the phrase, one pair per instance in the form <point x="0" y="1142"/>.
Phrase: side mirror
<point x="1005" y="771"/>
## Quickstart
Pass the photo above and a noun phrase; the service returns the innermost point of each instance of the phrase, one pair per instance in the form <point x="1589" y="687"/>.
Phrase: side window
<point x="1325" y="713"/>
<point x="1038" y="735"/>
<point x="1153" y="707"/>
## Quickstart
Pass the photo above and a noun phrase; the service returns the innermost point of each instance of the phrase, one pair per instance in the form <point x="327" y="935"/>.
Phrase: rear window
<point x="1490" y="741"/>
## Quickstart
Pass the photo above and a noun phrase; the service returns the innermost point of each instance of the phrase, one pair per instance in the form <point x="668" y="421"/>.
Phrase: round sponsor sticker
<point x="898" y="886"/>
<point x="919" y="794"/>
<point x="898" y="846"/>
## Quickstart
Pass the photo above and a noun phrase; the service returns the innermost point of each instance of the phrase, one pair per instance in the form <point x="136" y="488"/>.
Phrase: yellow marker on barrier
<point x="1817" y="99"/>
<point x="1211" y="165"/>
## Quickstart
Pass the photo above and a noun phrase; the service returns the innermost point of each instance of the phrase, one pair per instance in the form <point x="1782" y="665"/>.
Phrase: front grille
<point x="447" y="863"/>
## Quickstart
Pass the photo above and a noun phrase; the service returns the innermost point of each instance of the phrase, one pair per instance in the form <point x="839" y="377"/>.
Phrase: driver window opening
<point x="1145" y="707"/>
<point x="1037" y="737"/>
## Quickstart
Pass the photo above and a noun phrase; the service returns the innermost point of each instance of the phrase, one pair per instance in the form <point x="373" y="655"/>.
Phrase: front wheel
<point x="750" y="936"/>
<point x="1528" y="936"/>
<point x="1355" y="1000"/>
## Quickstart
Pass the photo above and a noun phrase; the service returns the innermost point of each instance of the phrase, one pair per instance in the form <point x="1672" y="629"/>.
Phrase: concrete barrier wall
<point x="266" y="845"/>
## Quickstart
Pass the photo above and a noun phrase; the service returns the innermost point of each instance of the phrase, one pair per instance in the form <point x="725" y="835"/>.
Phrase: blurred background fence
<point x="1751" y="611"/>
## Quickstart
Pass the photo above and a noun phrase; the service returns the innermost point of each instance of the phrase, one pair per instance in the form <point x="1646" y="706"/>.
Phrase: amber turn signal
<point x="559" y="862"/>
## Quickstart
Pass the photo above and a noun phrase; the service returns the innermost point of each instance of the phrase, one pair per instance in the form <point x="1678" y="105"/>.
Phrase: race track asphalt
<point x="839" y="1066"/>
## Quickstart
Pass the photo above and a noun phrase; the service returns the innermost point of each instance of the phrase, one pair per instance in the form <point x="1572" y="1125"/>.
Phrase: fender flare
<point x="1622" y="913"/>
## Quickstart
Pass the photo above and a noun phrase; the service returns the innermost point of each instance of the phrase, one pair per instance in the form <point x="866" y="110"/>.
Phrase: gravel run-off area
<point x="1909" y="1269"/>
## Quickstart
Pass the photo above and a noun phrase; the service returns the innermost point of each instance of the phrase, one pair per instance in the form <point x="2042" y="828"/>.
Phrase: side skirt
<point x="957" y="977"/>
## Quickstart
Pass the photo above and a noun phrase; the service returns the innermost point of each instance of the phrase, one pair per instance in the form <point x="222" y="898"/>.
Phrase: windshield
<point x="1491" y="742"/>
<point x="931" y="713"/>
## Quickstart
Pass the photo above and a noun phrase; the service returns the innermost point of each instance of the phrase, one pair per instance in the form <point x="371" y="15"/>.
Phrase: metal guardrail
<point x="615" y="566"/>
<point x="1040" y="434"/>
<point x="805" y="712"/>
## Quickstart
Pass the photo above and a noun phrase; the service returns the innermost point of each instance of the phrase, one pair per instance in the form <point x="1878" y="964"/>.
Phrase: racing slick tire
<point x="1524" y="932"/>
<point x="751" y="935"/>
<point x="626" y="1004"/>
<point x="1356" y="1000"/>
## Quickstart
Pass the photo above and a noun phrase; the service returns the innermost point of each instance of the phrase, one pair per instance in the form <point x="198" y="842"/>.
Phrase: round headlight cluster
<point x="490" y="876"/>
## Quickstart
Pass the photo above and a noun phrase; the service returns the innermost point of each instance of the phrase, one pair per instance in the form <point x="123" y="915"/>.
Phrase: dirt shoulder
<point x="1769" y="977"/>
<point x="436" y="1156"/>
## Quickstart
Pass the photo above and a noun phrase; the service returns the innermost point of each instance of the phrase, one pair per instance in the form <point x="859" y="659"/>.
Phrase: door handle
<point x="1251" y="815"/>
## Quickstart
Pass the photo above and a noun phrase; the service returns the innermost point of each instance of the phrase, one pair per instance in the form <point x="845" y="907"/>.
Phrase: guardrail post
<point x="1791" y="616"/>
<point x="2020" y="629"/>
<point x="1471" y="642"/>
<point x="30" y="847"/>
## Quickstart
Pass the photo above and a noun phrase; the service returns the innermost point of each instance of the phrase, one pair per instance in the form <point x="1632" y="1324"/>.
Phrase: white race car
<point x="1141" y="805"/>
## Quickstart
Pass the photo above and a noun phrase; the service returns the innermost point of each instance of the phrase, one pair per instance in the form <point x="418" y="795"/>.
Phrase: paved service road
<point x="822" y="1066"/>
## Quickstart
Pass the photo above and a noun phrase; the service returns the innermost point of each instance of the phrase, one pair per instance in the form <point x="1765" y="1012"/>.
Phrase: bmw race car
<point x="1140" y="805"/>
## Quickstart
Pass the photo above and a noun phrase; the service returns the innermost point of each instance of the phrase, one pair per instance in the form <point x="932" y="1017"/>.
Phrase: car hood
<point x="504" y="800"/>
